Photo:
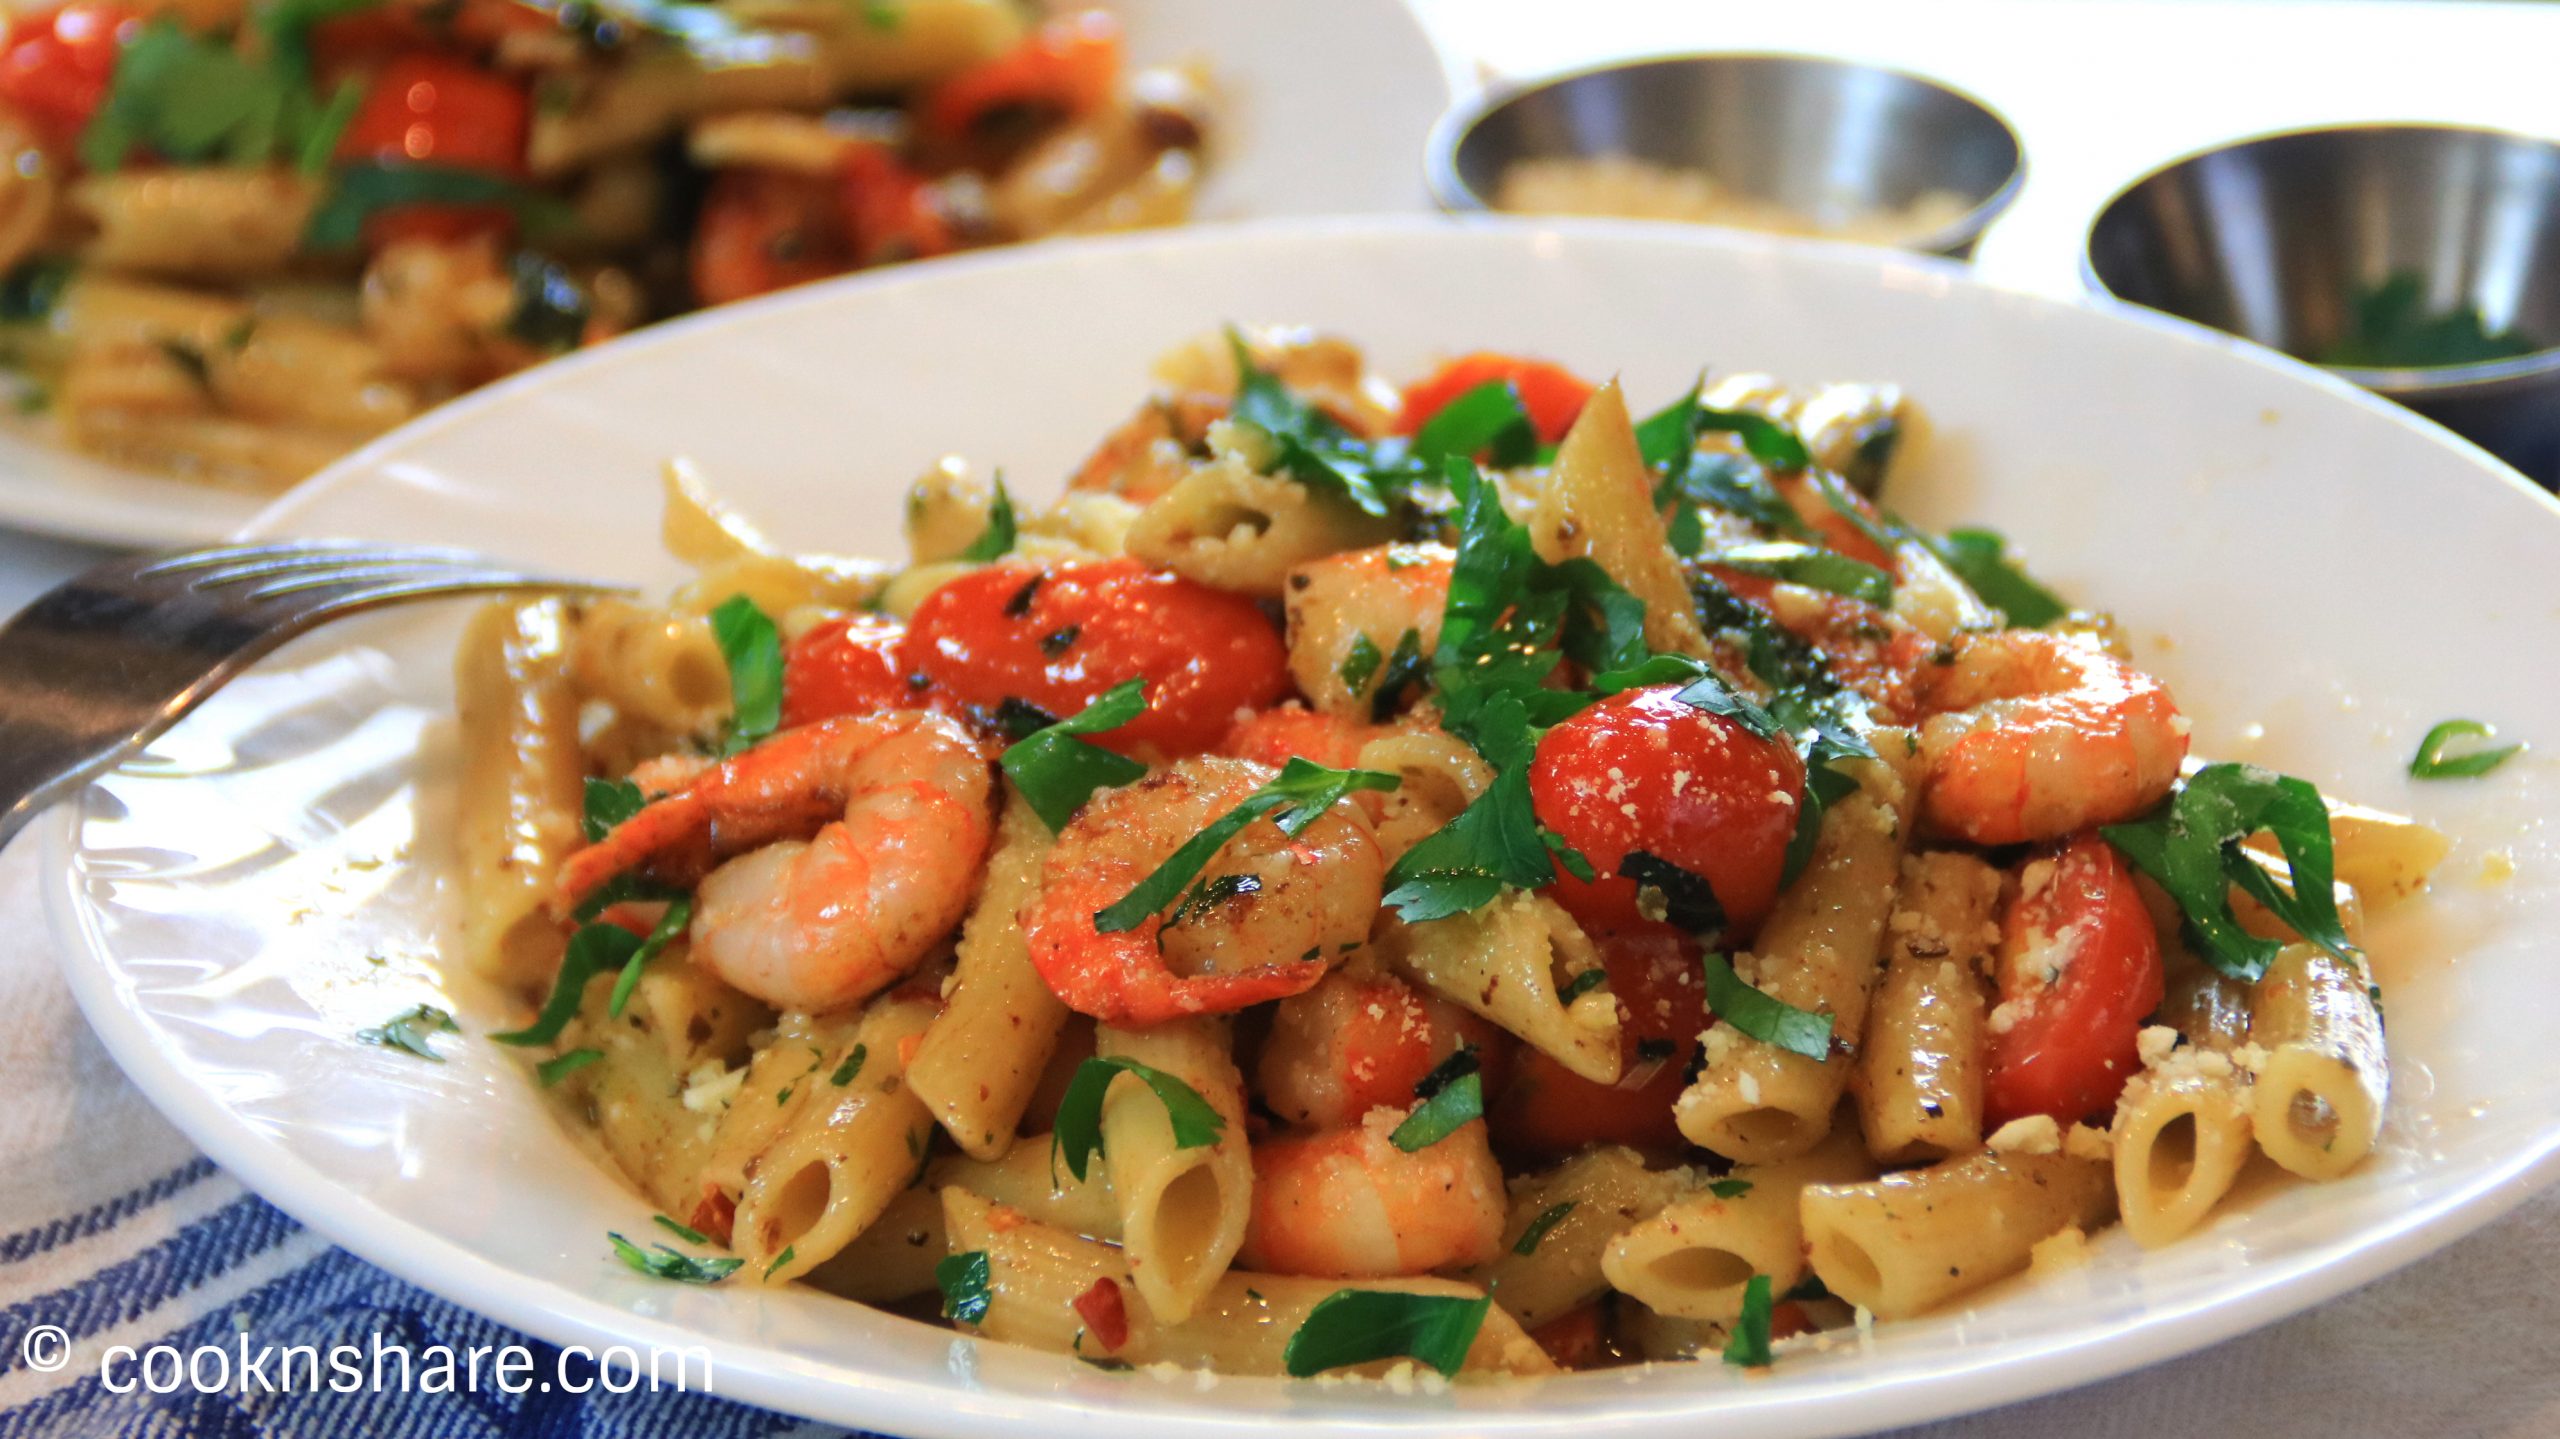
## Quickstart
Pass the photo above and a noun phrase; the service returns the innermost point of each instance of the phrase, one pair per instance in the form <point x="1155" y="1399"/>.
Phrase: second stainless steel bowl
<point x="1813" y="135"/>
<point x="2445" y="239"/>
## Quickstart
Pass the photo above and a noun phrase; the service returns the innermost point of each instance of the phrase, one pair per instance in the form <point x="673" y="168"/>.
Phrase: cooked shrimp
<point x="1360" y="1042"/>
<point x="1348" y="1204"/>
<point x="2034" y="735"/>
<point x="829" y="859"/>
<point x="1269" y="913"/>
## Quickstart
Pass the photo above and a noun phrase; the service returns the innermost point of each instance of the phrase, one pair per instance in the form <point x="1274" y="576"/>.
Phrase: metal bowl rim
<point x="1450" y="131"/>
<point x="2430" y="381"/>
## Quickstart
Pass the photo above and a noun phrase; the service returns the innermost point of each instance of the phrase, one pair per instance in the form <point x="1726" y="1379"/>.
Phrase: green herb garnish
<point x="2390" y="327"/>
<point x="1301" y="794"/>
<point x="1488" y="421"/>
<point x="852" y="1066"/>
<point x="1765" y="1018"/>
<point x="1056" y="771"/>
<point x="965" y="1281"/>
<point x="1077" y="1133"/>
<point x="679" y="913"/>
<point x="2190" y="845"/>
<point x="999" y="537"/>
<point x="1812" y="567"/>
<point x="685" y="1232"/>
<point x="559" y="1067"/>
<point x="753" y="649"/>
<point x="2432" y="762"/>
<point x="1582" y="984"/>
<point x="408" y="1031"/>
<point x="610" y="802"/>
<point x="593" y="950"/>
<point x="1355" y="1326"/>
<point x="1547" y="1219"/>
<point x="1729" y="1188"/>
<point x="1360" y="662"/>
<point x="665" y="1262"/>
<point x="1748" y="1345"/>
<point x="1980" y="558"/>
<point x="1452" y="1096"/>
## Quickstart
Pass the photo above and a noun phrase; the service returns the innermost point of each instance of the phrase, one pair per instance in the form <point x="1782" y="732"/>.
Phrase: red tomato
<point x="1068" y="66"/>
<point x="761" y="231"/>
<point x="848" y="667"/>
<point x="2079" y="970"/>
<point x="429" y="109"/>
<point x="56" y="66"/>
<point x="889" y="210"/>
<point x="1105" y="1314"/>
<point x="1056" y="639"/>
<point x="1549" y="1110"/>
<point x="1552" y="394"/>
<point x="1642" y="771"/>
<point x="1873" y="651"/>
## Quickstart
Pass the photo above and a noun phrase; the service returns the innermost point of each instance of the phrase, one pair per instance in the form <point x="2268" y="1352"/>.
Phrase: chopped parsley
<point x="358" y="192"/>
<point x="2391" y="327"/>
<point x="1582" y="984"/>
<point x="559" y="1067"/>
<point x="665" y="1262"/>
<point x="1765" y="1018"/>
<point x="1360" y="662"/>
<point x="1309" y="445"/>
<point x="1536" y="1233"/>
<point x="1729" y="1188"/>
<point x="1296" y="798"/>
<point x="610" y="802"/>
<point x="852" y="1066"/>
<point x="550" y="313"/>
<point x="1980" y="558"/>
<point x="1666" y="892"/>
<point x="593" y="950"/>
<point x="1812" y="567"/>
<point x="965" y="1281"/>
<point x="1452" y="1096"/>
<point x="999" y="537"/>
<point x="2190" y="845"/>
<point x="202" y="100"/>
<point x="1488" y="421"/>
<point x="2431" y="761"/>
<point x="679" y="913"/>
<point x="1056" y="771"/>
<point x="1748" y="1345"/>
<point x="409" y="1030"/>
<point x="789" y="1253"/>
<point x="1356" y="1326"/>
<point x="685" y="1232"/>
<point x="1077" y="1132"/>
<point x="752" y="646"/>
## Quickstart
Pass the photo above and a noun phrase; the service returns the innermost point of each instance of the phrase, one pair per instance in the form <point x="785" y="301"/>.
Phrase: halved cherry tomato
<point x="1873" y="651"/>
<point x="1552" y="394"/>
<point x="57" y="65"/>
<point x="1549" y="1110"/>
<point x="1642" y="771"/>
<point x="2079" y="970"/>
<point x="1068" y="67"/>
<point x="763" y="231"/>
<point x="849" y="667"/>
<point x="888" y="209"/>
<point x="426" y="109"/>
<point x="1056" y="639"/>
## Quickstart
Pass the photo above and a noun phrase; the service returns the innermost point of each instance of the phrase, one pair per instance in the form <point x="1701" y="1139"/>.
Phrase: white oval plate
<point x="1325" y="107"/>
<point x="2319" y="575"/>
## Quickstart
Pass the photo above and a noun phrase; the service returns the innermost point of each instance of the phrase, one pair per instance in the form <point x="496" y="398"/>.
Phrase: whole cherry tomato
<point x="2079" y="970"/>
<point x="762" y="231"/>
<point x="889" y="213"/>
<point x="1068" y="66"/>
<point x="427" y="109"/>
<point x="1552" y="394"/>
<point x="57" y="65"/>
<point x="851" y="666"/>
<point x="1055" y="639"/>
<point x="1642" y="771"/>
<point x="1549" y="1110"/>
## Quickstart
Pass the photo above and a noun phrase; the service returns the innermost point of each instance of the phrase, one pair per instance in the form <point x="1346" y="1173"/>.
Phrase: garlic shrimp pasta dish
<point x="1458" y="878"/>
<point x="243" y="236"/>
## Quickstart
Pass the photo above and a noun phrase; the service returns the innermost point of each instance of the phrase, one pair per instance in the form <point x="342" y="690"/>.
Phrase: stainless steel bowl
<point x="2295" y="240"/>
<point x="1816" y="136"/>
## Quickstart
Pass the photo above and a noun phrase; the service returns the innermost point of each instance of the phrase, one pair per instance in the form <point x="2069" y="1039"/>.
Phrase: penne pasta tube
<point x="2181" y="1136"/>
<point x="520" y="799"/>
<point x="1577" y="1209"/>
<point x="1919" y="1071"/>
<point x="1818" y="951"/>
<point x="2324" y="1077"/>
<point x="1909" y="1242"/>
<point x="1695" y="1257"/>
<point x="894" y="1258"/>
<point x="1030" y="1179"/>
<point x="983" y="1055"/>
<point x="1240" y="1325"/>
<point x="1182" y="1211"/>
<point x="1602" y="497"/>
<point x="1509" y="962"/>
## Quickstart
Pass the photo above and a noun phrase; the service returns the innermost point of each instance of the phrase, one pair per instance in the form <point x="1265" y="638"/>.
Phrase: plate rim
<point x="925" y="1406"/>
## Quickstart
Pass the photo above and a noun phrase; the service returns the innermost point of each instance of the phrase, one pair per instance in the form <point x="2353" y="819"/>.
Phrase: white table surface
<point x="2102" y="90"/>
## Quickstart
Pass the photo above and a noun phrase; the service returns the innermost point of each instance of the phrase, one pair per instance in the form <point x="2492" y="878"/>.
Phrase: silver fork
<point x="98" y="667"/>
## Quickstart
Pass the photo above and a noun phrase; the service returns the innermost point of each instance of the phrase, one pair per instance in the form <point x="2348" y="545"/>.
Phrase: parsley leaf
<point x="1980" y="558"/>
<point x="560" y="1066"/>
<point x="679" y="913"/>
<point x="1488" y="420"/>
<point x="1667" y="892"/>
<point x="1813" y="567"/>
<point x="609" y="802"/>
<point x="1582" y="984"/>
<point x="1764" y="1017"/>
<point x="753" y="648"/>
<point x="1355" y="1326"/>
<point x="1056" y="771"/>
<point x="31" y="290"/>
<point x="1077" y="1132"/>
<point x="965" y="1281"/>
<point x="1452" y="1095"/>
<point x="2190" y="845"/>
<point x="1307" y="444"/>
<point x="1360" y="662"/>
<point x="1748" y="1346"/>
<point x="852" y="1066"/>
<point x="408" y="1030"/>
<point x="667" y="1263"/>
<point x="1729" y="1188"/>
<point x="593" y="950"/>
<point x="2392" y="328"/>
<point x="2431" y="761"/>
<point x="685" y="1232"/>
<point x="1296" y="798"/>
<point x="1463" y="865"/>
<point x="357" y="192"/>
<point x="1547" y="1219"/>
<point x="1407" y="668"/>
<point x="550" y="312"/>
<point x="999" y="537"/>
